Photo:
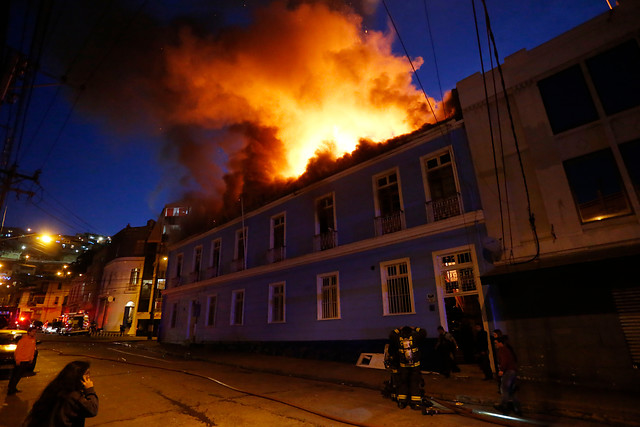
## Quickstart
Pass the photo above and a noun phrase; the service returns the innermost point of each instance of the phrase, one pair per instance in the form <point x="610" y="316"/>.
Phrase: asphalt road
<point x="138" y="388"/>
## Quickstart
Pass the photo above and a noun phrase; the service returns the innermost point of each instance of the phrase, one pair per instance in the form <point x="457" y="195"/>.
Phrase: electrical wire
<point x="502" y="157"/>
<point x="532" y="220"/>
<point x="489" y="119"/>
<point x="435" y="59"/>
<point x="415" y="73"/>
<point x="79" y="92"/>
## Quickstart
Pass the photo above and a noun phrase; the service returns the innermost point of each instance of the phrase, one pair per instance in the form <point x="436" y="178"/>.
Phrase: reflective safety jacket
<point x="404" y="345"/>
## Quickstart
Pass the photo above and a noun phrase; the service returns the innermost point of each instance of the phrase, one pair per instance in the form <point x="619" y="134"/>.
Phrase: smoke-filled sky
<point x="139" y="103"/>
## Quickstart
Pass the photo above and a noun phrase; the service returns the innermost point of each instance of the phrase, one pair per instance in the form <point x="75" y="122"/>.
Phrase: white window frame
<point x="332" y="196"/>
<point x="440" y="282"/>
<point x="135" y="275"/>
<point x="385" y="288"/>
<point x="320" y="295"/>
<point x="212" y="261"/>
<point x="374" y="182"/>
<point x="212" y="307"/>
<point x="425" y="171"/>
<point x="239" y="234"/>
<point x="272" y="233"/>
<point x="272" y="301"/>
<point x="234" y="300"/>
<point x="195" y="255"/>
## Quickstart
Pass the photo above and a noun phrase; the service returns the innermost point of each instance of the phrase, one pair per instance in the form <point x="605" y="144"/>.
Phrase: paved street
<point x="139" y="388"/>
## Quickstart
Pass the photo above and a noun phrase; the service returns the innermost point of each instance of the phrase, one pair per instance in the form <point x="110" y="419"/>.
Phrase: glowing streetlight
<point x="45" y="238"/>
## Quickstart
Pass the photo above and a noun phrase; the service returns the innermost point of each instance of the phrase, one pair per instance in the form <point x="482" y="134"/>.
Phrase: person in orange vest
<point x="25" y="351"/>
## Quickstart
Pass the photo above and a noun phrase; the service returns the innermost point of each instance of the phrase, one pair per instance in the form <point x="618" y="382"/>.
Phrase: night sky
<point x="114" y="147"/>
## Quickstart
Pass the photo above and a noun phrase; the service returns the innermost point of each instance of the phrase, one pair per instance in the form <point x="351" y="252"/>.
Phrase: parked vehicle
<point x="75" y="324"/>
<point x="54" y="327"/>
<point x="8" y="342"/>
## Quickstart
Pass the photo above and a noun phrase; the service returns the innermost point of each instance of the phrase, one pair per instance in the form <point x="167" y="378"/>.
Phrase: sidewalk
<point x="608" y="407"/>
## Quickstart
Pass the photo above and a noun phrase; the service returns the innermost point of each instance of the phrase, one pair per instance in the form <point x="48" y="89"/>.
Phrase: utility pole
<point x="16" y="83"/>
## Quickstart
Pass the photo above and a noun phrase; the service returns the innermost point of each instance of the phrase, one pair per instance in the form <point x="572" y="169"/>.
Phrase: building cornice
<point x="426" y="136"/>
<point x="403" y="236"/>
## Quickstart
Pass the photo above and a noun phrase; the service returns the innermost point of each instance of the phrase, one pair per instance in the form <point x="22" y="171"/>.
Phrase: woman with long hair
<point x="67" y="400"/>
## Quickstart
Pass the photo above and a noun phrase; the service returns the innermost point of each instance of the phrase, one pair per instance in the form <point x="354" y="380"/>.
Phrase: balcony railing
<point x="389" y="223"/>
<point x="325" y="240"/>
<point x="440" y="209"/>
<point x="194" y="276"/>
<point x="213" y="271"/>
<point x="237" y="264"/>
<point x="276" y="254"/>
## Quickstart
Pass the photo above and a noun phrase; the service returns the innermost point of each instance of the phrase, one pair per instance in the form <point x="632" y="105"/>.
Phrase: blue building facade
<point x="332" y="269"/>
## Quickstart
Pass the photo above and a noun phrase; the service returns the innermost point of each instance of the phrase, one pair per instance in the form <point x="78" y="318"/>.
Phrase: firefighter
<point x="404" y="346"/>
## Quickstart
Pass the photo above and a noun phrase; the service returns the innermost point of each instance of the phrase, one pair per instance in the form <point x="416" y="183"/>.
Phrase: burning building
<point x="334" y="266"/>
<point x="529" y="225"/>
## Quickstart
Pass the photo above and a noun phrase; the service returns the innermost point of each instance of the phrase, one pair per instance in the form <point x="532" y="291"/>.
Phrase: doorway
<point x="459" y="297"/>
<point x="462" y="313"/>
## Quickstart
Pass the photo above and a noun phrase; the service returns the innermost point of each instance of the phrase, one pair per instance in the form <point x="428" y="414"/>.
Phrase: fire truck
<point x="75" y="323"/>
<point x="9" y="316"/>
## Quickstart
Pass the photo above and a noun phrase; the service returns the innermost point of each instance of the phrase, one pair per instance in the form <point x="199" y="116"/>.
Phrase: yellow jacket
<point x="25" y="349"/>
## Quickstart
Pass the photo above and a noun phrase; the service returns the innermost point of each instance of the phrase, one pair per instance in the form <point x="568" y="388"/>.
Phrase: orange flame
<point x="310" y="73"/>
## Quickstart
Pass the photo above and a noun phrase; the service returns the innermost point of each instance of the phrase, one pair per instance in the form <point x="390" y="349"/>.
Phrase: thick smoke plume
<point x="249" y="108"/>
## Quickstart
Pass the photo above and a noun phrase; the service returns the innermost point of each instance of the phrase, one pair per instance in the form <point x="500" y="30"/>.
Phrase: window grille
<point x="329" y="297"/>
<point x="276" y="309"/>
<point x="457" y="277"/>
<point x="398" y="289"/>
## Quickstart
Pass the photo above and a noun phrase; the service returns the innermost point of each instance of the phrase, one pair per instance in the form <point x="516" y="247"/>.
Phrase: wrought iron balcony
<point x="447" y="207"/>
<point x="389" y="223"/>
<point x="276" y="254"/>
<point x="237" y="264"/>
<point x="213" y="271"/>
<point x="325" y="240"/>
<point x="194" y="276"/>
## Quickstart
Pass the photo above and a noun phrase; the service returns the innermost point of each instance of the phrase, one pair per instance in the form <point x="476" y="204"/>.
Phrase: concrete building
<point x="558" y="168"/>
<point x="118" y="296"/>
<point x="45" y="300"/>
<point x="332" y="268"/>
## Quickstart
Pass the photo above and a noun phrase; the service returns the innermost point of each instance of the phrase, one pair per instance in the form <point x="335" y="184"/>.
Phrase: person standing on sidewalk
<point x="508" y="368"/>
<point x="446" y="347"/>
<point x="481" y="350"/>
<point x="67" y="401"/>
<point x="23" y="356"/>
